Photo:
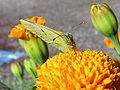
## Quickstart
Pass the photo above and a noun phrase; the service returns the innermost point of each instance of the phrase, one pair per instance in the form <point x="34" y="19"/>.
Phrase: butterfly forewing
<point x="60" y="40"/>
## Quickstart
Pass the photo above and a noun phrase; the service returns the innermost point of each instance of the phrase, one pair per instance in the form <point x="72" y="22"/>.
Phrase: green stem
<point x="115" y="42"/>
<point x="34" y="75"/>
<point x="117" y="55"/>
<point x="5" y="86"/>
<point x="16" y="86"/>
<point x="22" y="84"/>
<point x="34" y="78"/>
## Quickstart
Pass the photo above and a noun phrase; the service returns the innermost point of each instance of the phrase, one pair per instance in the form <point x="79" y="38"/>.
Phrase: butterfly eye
<point x="69" y="36"/>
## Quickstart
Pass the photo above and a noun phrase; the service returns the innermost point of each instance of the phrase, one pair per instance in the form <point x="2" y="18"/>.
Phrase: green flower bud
<point x="30" y="67"/>
<point x="36" y="49"/>
<point x="104" y="19"/>
<point x="17" y="70"/>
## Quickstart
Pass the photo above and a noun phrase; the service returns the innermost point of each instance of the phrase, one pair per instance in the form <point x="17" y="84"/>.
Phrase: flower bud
<point x="17" y="70"/>
<point x="30" y="67"/>
<point x="104" y="19"/>
<point x="36" y="49"/>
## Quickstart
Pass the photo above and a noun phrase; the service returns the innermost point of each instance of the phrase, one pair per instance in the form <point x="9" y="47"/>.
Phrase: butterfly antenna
<point x="77" y="26"/>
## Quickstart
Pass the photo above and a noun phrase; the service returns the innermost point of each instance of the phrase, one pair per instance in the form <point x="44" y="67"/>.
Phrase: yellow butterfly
<point x="60" y="40"/>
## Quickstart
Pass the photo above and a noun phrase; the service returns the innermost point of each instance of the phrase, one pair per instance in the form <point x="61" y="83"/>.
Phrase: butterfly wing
<point x="60" y="40"/>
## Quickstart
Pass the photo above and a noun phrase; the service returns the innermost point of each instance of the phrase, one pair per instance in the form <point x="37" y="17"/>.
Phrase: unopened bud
<point x="17" y="70"/>
<point x="36" y="49"/>
<point x="30" y="67"/>
<point x="104" y="19"/>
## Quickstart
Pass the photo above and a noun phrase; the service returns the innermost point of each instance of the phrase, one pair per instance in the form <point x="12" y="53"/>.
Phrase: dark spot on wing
<point x="43" y="31"/>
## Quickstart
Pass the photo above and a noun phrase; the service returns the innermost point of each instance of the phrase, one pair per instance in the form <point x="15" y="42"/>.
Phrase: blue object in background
<point x="7" y="56"/>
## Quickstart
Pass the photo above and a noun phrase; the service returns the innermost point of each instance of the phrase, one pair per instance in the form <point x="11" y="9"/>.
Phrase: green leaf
<point x="2" y="85"/>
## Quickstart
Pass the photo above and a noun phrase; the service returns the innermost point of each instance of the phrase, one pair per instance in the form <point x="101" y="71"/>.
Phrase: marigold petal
<point x="17" y="32"/>
<point x="20" y="32"/>
<point x="79" y="70"/>
<point x="109" y="43"/>
<point x="38" y="20"/>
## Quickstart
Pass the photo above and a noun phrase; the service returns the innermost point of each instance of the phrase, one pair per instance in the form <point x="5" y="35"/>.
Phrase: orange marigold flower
<point x="20" y="32"/>
<point x="79" y="70"/>
<point x="109" y="43"/>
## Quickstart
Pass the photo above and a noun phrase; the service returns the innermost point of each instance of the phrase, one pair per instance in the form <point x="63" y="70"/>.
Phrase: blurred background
<point x="63" y="15"/>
